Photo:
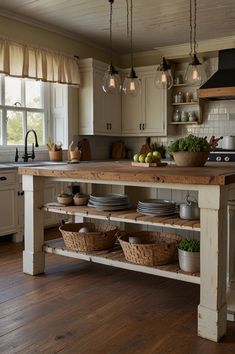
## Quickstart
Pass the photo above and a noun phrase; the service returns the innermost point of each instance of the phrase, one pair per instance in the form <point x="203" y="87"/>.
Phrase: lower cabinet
<point x="8" y="205"/>
<point x="12" y="204"/>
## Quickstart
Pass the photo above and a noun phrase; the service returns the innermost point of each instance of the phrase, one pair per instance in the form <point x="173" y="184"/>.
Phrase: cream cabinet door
<point x="154" y="102"/>
<point x="8" y="207"/>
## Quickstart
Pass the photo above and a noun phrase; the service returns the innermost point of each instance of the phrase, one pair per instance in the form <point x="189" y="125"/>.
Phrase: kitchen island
<point x="215" y="185"/>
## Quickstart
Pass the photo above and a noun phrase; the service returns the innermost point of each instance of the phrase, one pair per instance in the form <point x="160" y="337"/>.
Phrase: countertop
<point x="210" y="174"/>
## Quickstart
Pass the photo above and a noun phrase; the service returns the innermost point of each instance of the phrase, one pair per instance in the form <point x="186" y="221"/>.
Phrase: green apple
<point x="136" y="157"/>
<point x="157" y="155"/>
<point x="142" y="158"/>
<point x="150" y="153"/>
<point x="149" y="159"/>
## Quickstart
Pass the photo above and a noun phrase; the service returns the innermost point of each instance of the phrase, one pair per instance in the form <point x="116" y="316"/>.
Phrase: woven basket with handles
<point x="100" y="236"/>
<point x="156" y="248"/>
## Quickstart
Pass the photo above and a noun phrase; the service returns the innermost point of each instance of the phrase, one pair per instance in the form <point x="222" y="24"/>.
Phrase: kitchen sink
<point x="34" y="163"/>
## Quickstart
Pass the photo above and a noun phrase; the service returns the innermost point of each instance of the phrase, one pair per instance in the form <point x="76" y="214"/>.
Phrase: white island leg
<point x="33" y="254"/>
<point x="212" y="311"/>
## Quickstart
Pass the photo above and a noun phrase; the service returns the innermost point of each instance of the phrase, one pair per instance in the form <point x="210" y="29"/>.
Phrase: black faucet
<point x="32" y="155"/>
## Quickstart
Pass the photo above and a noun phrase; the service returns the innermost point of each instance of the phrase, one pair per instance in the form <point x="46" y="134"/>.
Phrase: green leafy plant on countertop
<point x="190" y="143"/>
<point x="189" y="245"/>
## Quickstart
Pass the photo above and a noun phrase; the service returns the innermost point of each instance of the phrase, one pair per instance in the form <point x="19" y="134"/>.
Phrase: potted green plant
<point x="191" y="151"/>
<point x="189" y="255"/>
<point x="55" y="150"/>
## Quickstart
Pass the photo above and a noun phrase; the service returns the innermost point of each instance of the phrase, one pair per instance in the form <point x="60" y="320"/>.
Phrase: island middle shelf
<point x="127" y="216"/>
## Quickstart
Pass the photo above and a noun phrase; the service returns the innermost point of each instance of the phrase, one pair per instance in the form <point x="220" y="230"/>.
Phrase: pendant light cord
<point x="131" y="35"/>
<point x="110" y="30"/>
<point x="193" y="27"/>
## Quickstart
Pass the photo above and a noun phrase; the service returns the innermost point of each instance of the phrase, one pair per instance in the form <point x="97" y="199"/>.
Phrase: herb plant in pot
<point x="191" y="151"/>
<point x="189" y="255"/>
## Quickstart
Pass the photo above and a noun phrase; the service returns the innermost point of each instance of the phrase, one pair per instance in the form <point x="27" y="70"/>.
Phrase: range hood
<point x="221" y="85"/>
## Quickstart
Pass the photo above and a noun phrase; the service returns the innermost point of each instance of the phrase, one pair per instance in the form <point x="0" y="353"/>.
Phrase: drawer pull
<point x="3" y="178"/>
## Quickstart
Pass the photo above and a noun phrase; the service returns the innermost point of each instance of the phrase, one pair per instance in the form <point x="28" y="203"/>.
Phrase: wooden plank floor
<point x="84" y="308"/>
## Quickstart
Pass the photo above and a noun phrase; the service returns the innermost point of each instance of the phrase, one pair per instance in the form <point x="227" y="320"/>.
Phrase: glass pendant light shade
<point x="163" y="78"/>
<point x="111" y="80"/>
<point x="132" y="85"/>
<point x="195" y="73"/>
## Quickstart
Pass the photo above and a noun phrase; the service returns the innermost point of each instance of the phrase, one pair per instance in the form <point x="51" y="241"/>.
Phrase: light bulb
<point x="132" y="84"/>
<point x="163" y="79"/>
<point x="111" y="81"/>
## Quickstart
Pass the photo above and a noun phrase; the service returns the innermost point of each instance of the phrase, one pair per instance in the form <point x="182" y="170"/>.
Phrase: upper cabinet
<point x="99" y="113"/>
<point x="145" y="114"/>
<point x="116" y="115"/>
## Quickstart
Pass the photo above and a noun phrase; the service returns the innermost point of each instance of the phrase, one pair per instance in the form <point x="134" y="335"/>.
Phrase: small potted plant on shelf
<point x="192" y="151"/>
<point x="55" y="150"/>
<point x="189" y="255"/>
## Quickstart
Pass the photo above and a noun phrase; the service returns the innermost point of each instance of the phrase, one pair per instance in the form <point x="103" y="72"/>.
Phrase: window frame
<point x="45" y="96"/>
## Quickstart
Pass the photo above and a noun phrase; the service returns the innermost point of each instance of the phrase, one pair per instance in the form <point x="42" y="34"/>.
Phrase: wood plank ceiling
<point x="155" y="23"/>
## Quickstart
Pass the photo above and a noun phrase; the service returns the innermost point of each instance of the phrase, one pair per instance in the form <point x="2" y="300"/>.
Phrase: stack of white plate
<point x="109" y="202"/>
<point x="156" y="207"/>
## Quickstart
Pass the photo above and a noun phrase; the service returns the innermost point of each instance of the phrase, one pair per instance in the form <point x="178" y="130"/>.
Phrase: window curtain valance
<point x="21" y="60"/>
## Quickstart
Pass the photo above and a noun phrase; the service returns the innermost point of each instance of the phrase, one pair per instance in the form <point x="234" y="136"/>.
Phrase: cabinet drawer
<point x="7" y="178"/>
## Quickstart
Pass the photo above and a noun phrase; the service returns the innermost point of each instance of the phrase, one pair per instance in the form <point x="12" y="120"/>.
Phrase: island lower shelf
<point x="114" y="257"/>
<point x="127" y="216"/>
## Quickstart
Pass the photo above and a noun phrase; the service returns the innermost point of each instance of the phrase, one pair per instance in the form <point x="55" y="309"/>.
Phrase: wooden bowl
<point x="190" y="159"/>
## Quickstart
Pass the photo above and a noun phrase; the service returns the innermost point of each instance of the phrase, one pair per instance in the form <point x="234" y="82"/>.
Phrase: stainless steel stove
<point x="222" y="155"/>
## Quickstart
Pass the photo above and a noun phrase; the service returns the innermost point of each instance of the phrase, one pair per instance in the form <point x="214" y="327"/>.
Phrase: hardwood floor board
<point x="79" y="307"/>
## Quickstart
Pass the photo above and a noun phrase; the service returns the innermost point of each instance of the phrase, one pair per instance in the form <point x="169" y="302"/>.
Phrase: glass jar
<point x="180" y="97"/>
<point x="184" y="116"/>
<point x="187" y="97"/>
<point x="176" y="116"/>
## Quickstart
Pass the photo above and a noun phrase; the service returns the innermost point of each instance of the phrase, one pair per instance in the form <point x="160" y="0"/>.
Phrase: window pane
<point x="35" y="121"/>
<point x="12" y="91"/>
<point x="14" y="128"/>
<point x="33" y="93"/>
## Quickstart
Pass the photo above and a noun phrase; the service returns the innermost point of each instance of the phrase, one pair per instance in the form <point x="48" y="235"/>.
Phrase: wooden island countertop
<point x="210" y="174"/>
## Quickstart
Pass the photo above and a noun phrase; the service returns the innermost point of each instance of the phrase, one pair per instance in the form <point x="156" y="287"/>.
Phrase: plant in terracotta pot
<point x="190" y="151"/>
<point x="55" y="150"/>
<point x="189" y="255"/>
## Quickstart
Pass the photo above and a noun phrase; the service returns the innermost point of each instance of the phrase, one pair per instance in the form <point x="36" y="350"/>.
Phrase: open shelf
<point x="128" y="216"/>
<point x="115" y="257"/>
<point x="185" y="103"/>
<point x="196" y="122"/>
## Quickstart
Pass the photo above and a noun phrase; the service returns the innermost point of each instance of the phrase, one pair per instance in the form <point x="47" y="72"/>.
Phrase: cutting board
<point x="118" y="150"/>
<point x="84" y="146"/>
<point x="149" y="164"/>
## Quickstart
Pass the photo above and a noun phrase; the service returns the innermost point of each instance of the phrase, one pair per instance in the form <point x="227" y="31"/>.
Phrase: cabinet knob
<point x="3" y="178"/>
<point x="140" y="126"/>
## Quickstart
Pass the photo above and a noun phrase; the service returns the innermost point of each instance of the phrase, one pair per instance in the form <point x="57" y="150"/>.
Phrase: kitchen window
<point x="23" y="105"/>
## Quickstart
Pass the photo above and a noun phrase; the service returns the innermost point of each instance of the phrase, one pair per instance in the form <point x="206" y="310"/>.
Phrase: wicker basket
<point x="80" y="199"/>
<point x="156" y="248"/>
<point x="100" y="236"/>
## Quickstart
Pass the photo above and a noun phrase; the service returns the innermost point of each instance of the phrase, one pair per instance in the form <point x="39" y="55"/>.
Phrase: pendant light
<point x="163" y="78"/>
<point x="195" y="73"/>
<point x="111" y="81"/>
<point x="131" y="84"/>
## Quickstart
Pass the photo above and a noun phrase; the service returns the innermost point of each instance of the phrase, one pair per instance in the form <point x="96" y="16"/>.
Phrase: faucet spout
<point x="26" y="154"/>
